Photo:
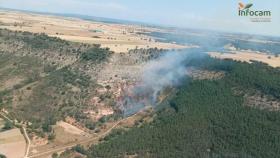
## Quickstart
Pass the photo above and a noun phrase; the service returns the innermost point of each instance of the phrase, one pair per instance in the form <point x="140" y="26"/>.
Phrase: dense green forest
<point x="207" y="118"/>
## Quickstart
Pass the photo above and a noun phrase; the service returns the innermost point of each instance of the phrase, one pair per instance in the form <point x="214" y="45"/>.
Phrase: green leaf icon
<point x="248" y="6"/>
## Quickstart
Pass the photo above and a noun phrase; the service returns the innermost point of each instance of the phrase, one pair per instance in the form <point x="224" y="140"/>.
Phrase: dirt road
<point x="27" y="142"/>
<point x="62" y="148"/>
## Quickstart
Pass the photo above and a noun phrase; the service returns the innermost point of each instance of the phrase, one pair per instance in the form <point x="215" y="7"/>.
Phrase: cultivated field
<point x="117" y="37"/>
<point x="12" y="143"/>
<point x="248" y="56"/>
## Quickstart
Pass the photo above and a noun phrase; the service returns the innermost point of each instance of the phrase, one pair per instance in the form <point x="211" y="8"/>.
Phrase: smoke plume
<point x="165" y="71"/>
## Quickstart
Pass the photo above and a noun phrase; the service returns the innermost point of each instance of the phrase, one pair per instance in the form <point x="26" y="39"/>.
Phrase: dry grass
<point x="68" y="128"/>
<point x="117" y="37"/>
<point x="67" y="133"/>
<point x="10" y="83"/>
<point x="204" y="74"/>
<point x="262" y="101"/>
<point x="248" y="56"/>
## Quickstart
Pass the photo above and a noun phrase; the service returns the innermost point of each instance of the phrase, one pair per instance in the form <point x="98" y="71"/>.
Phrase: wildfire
<point x="134" y="97"/>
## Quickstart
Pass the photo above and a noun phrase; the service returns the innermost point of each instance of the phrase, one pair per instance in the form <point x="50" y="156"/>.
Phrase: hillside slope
<point x="43" y="79"/>
<point x="208" y="118"/>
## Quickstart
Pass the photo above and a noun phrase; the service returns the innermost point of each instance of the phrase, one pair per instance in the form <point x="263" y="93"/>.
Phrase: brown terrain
<point x="198" y="74"/>
<point x="247" y="55"/>
<point x="12" y="143"/>
<point x="108" y="79"/>
<point x="261" y="101"/>
<point x="117" y="37"/>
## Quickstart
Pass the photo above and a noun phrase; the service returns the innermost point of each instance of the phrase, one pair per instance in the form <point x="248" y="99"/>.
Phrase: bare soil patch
<point x="248" y="56"/>
<point x="67" y="133"/>
<point x="68" y="128"/>
<point x="10" y="83"/>
<point x="204" y="74"/>
<point x="261" y="101"/>
<point x="12" y="143"/>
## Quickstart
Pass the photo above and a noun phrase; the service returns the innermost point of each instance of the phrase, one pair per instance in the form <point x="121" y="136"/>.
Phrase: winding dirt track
<point x="27" y="141"/>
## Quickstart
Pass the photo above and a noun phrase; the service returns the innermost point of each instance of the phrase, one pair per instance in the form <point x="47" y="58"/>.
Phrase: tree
<point x="8" y="125"/>
<point x="51" y="136"/>
<point x="212" y="120"/>
<point x="2" y="156"/>
<point x="80" y="149"/>
<point x="174" y="105"/>
<point x="55" y="155"/>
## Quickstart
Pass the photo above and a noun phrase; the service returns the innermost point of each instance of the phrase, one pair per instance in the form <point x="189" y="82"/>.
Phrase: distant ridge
<point x="85" y="17"/>
<point x="131" y="22"/>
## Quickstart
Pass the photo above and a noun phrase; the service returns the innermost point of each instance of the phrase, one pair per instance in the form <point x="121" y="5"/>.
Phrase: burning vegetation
<point x="167" y="70"/>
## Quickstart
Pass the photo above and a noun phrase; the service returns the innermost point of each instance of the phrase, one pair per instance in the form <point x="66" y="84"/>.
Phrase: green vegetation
<point x="2" y="156"/>
<point x="246" y="76"/>
<point x="34" y="40"/>
<point x="76" y="151"/>
<point x="263" y="78"/>
<point x="52" y="98"/>
<point x="55" y="155"/>
<point x="8" y="125"/>
<point x="79" y="149"/>
<point x="207" y="119"/>
<point x="43" y="79"/>
<point x="51" y="136"/>
<point x="95" y="54"/>
<point x="42" y="41"/>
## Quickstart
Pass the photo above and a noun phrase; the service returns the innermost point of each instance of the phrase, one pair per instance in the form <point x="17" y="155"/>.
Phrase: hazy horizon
<point x="214" y="15"/>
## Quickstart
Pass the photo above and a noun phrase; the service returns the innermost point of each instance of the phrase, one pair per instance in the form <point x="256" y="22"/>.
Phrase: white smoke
<point x="165" y="71"/>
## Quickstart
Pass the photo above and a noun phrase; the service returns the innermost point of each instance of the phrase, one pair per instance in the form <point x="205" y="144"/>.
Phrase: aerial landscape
<point x="92" y="79"/>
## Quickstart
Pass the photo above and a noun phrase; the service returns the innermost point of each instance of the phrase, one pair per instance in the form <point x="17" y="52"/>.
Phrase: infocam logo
<point x="255" y="15"/>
